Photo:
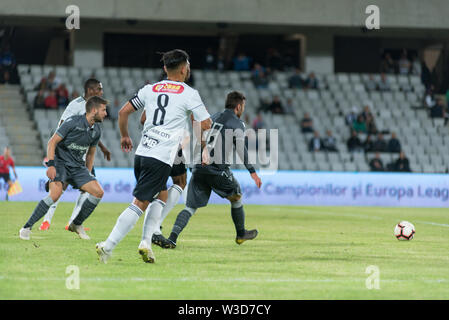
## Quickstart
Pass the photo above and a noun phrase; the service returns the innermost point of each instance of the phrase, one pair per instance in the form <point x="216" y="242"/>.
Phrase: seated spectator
<point x="429" y="97"/>
<point x="259" y="76"/>
<point x="330" y="142"/>
<point x="311" y="81"/>
<point x="402" y="164"/>
<point x="383" y="85"/>
<point x="8" y="66"/>
<point x="376" y="163"/>
<point x="276" y="106"/>
<point x="415" y="65"/>
<point x="296" y="81"/>
<point x="438" y="110"/>
<point x="380" y="145"/>
<point x="306" y="123"/>
<point x="274" y="60"/>
<point x="404" y="64"/>
<point x="351" y="116"/>
<point x="387" y="65"/>
<point x="368" y="144"/>
<point x="221" y="62"/>
<point x="209" y="60"/>
<point x="39" y="100"/>
<point x="52" y="81"/>
<point x="366" y="113"/>
<point x="393" y="144"/>
<point x="258" y="122"/>
<point x="62" y="95"/>
<point x="354" y="144"/>
<point x="371" y="127"/>
<point x="289" y="107"/>
<point x="241" y="62"/>
<point x="370" y="84"/>
<point x="359" y="124"/>
<point x="316" y="144"/>
<point x="42" y="85"/>
<point x="51" y="102"/>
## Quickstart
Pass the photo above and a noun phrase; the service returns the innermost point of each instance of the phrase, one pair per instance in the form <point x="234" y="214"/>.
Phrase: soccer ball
<point x="404" y="230"/>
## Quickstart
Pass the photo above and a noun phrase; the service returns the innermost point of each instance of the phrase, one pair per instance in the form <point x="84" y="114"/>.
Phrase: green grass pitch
<point x="300" y="253"/>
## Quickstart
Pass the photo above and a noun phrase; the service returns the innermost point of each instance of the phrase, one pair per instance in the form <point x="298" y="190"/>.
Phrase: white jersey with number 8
<point x="168" y="105"/>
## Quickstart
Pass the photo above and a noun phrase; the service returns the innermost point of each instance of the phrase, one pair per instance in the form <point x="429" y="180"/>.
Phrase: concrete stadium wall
<point x="343" y="13"/>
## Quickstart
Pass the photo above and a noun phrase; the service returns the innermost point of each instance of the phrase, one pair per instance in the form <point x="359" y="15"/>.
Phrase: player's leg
<point x="49" y="216"/>
<point x="56" y="188"/>
<point x="94" y="194"/>
<point x="152" y="218"/>
<point x="198" y="194"/>
<point x="78" y="204"/>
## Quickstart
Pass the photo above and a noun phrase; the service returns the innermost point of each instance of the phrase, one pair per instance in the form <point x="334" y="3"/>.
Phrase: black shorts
<point x="151" y="175"/>
<point x="5" y="176"/>
<point x="47" y="184"/>
<point x="201" y="185"/>
<point x="75" y="176"/>
<point x="179" y="166"/>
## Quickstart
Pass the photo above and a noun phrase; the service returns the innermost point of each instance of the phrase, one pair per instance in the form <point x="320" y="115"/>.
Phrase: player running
<point x="92" y="87"/>
<point x="217" y="176"/>
<point x="75" y="139"/>
<point x="6" y="162"/>
<point x="167" y="105"/>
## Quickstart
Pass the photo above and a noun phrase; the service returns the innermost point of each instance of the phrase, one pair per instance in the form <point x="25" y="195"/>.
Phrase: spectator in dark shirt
<point x="39" y="100"/>
<point x="351" y="116"/>
<point x="316" y="143"/>
<point x="311" y="81"/>
<point x="380" y="145"/>
<point x="368" y="144"/>
<point x="366" y="113"/>
<point x="438" y="110"/>
<point x="354" y="144"/>
<point x="241" y="62"/>
<point x="306" y="123"/>
<point x="402" y="164"/>
<point x="62" y="94"/>
<point x="330" y="142"/>
<point x="276" y="106"/>
<point x="371" y="127"/>
<point x="393" y="144"/>
<point x="296" y="81"/>
<point x="376" y="163"/>
<point x="259" y="76"/>
<point x="387" y="64"/>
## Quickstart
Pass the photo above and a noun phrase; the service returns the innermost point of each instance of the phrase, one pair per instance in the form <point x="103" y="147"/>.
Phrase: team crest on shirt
<point x="168" y="87"/>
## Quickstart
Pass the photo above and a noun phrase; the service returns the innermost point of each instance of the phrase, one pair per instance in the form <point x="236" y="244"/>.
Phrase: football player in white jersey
<point x="92" y="87"/>
<point x="168" y="105"/>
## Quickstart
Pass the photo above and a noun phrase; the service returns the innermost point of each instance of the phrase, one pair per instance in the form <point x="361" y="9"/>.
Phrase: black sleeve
<point x="242" y="152"/>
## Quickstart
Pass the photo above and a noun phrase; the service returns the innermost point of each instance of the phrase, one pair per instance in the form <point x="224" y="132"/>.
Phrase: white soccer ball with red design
<point x="404" y="230"/>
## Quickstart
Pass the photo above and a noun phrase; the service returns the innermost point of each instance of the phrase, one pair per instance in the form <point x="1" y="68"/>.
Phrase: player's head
<point x="236" y="101"/>
<point x="92" y="87"/>
<point x="176" y="63"/>
<point x="96" y="106"/>
<point x="7" y="152"/>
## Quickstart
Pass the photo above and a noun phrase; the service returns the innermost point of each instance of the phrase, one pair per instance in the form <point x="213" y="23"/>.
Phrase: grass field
<point x="300" y="253"/>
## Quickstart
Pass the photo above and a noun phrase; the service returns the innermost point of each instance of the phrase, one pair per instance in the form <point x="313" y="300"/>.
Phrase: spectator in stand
<point x="274" y="60"/>
<point x="209" y="60"/>
<point x="316" y="143"/>
<point x="242" y="62"/>
<point x="368" y="144"/>
<point x="429" y="97"/>
<point x="39" y="100"/>
<point x="259" y="77"/>
<point x="387" y="65"/>
<point x="62" y="95"/>
<point x="384" y="85"/>
<point x="393" y="144"/>
<point x="51" y="102"/>
<point x="371" y="127"/>
<point x="438" y="110"/>
<point x="296" y="81"/>
<point x="8" y="67"/>
<point x="366" y="113"/>
<point x="306" y="123"/>
<point x="354" y="144"/>
<point x="276" y="106"/>
<point x="258" y="122"/>
<point x="370" y="84"/>
<point x="351" y="116"/>
<point x="52" y="81"/>
<point x="402" y="164"/>
<point x="359" y="124"/>
<point x="330" y="142"/>
<point x="220" y="63"/>
<point x="289" y="108"/>
<point x="376" y="163"/>
<point x="42" y="85"/>
<point x="380" y="145"/>
<point x="7" y="162"/>
<point x="403" y="63"/>
<point x="415" y="67"/>
<point x="311" y="81"/>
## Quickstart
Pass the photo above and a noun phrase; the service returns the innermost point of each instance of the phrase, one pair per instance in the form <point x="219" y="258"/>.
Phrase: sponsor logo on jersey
<point x="168" y="87"/>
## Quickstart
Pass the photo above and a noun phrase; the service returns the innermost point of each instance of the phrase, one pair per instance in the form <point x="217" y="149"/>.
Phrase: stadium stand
<point x="397" y="110"/>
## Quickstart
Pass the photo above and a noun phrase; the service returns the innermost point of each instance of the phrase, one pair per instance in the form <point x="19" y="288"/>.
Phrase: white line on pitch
<point x="434" y="223"/>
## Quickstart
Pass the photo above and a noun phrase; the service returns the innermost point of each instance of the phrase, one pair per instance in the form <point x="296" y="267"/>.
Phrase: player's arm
<point x="106" y="152"/>
<point x="242" y="152"/>
<point x="125" y="141"/>
<point x="51" y="147"/>
<point x="90" y="157"/>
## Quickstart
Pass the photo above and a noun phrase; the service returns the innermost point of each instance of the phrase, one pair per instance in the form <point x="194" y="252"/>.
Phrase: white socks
<point x="79" y="203"/>
<point x="124" y="224"/>
<point x="152" y="218"/>
<point x="51" y="212"/>
<point x="174" y="192"/>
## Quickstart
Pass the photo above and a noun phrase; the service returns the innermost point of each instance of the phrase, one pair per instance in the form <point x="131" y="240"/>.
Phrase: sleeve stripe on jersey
<point x="197" y="106"/>
<point x="136" y="103"/>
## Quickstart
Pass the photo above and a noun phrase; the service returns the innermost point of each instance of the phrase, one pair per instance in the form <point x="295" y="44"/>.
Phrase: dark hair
<point x="174" y="58"/>
<point x="95" y="102"/>
<point x="233" y="99"/>
<point x="90" y="84"/>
